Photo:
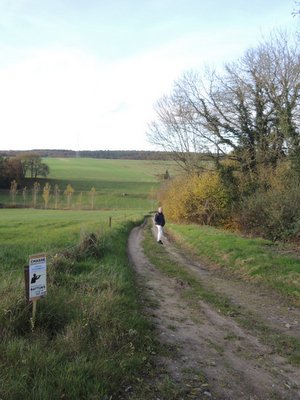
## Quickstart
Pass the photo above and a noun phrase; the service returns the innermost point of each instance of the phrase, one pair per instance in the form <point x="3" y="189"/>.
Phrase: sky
<point x="85" y="74"/>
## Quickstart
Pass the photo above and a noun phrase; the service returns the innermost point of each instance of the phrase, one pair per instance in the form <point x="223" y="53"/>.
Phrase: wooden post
<point x="109" y="223"/>
<point x="26" y="276"/>
<point x="32" y="319"/>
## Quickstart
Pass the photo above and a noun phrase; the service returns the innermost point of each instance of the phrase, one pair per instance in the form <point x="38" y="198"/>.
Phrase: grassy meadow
<point x="90" y="340"/>
<point x="119" y="184"/>
<point x="104" y="174"/>
<point x="29" y="231"/>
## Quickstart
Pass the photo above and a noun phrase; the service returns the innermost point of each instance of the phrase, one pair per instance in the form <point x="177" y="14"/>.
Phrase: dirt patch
<point x="213" y="357"/>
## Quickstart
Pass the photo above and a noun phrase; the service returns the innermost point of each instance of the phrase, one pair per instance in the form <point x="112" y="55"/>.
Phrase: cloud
<point x="57" y="96"/>
<point x="65" y="97"/>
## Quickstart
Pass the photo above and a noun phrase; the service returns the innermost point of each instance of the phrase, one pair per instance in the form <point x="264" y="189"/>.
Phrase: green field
<point x="27" y="231"/>
<point x="89" y="339"/>
<point x="119" y="184"/>
<point x="87" y="172"/>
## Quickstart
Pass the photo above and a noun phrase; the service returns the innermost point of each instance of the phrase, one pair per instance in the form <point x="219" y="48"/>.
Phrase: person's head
<point x="160" y="209"/>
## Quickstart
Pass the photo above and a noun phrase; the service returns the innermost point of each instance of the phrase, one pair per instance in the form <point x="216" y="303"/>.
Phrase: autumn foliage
<point x="273" y="209"/>
<point x="196" y="198"/>
<point x="268" y="206"/>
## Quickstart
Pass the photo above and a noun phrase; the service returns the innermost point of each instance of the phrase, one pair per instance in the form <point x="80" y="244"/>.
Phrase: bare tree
<point x="249" y="113"/>
<point x="176" y="132"/>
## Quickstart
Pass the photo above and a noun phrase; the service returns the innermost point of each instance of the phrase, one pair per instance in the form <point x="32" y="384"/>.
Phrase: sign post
<point x="36" y="282"/>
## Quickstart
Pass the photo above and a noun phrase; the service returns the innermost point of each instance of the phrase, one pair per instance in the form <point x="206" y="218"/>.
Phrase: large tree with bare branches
<point x="249" y="112"/>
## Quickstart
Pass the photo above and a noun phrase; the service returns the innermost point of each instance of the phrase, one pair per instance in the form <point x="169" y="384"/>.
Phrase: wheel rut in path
<point x="235" y="364"/>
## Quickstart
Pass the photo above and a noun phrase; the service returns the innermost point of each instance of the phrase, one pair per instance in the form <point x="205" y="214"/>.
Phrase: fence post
<point x="32" y="318"/>
<point x="26" y="274"/>
<point x="109" y="223"/>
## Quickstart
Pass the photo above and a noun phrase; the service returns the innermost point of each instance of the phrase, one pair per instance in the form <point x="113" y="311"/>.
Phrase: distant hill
<point x="102" y="154"/>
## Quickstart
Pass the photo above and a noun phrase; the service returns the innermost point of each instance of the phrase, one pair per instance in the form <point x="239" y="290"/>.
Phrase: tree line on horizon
<point x="101" y="154"/>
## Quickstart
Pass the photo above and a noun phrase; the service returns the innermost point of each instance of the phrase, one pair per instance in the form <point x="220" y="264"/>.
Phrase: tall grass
<point x="90" y="340"/>
<point x="25" y="232"/>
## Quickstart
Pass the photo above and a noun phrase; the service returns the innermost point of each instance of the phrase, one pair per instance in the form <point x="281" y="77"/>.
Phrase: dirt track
<point x="215" y="357"/>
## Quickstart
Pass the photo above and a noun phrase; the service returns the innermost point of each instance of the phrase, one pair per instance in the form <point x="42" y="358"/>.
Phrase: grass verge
<point x="90" y="339"/>
<point x="253" y="259"/>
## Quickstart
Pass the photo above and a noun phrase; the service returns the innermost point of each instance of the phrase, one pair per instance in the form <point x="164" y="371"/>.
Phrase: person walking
<point x="159" y="220"/>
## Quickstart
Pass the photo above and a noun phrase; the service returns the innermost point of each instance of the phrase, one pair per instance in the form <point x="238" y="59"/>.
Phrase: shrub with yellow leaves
<point x="200" y="199"/>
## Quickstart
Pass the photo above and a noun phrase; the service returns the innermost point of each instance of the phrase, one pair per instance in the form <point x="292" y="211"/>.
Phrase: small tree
<point x="93" y="194"/>
<point x="24" y="195"/>
<point x="69" y="194"/>
<point x="56" y="196"/>
<point x="79" y="201"/>
<point x="35" y="191"/>
<point x="13" y="192"/>
<point x="46" y="194"/>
